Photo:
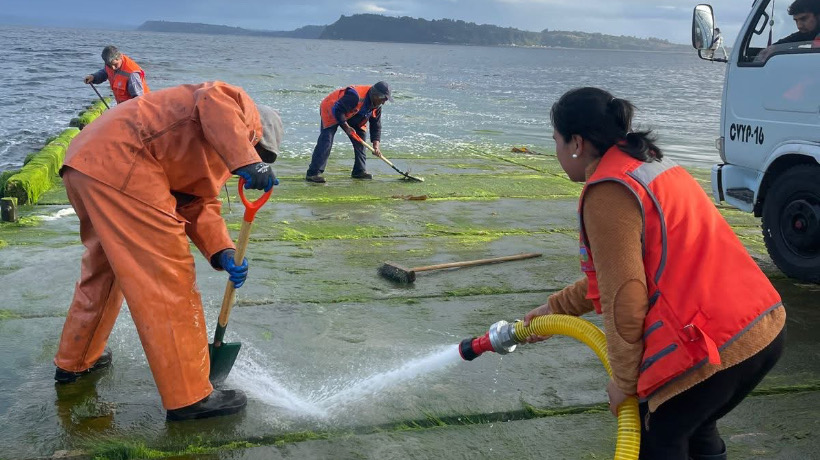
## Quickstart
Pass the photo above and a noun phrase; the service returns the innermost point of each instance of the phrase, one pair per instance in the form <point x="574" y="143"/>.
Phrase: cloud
<point x="367" y="7"/>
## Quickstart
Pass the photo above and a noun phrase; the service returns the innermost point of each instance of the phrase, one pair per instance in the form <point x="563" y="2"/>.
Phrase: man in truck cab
<point x="806" y="15"/>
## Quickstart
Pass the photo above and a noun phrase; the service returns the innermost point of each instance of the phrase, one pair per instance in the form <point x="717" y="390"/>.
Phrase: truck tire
<point x="791" y="222"/>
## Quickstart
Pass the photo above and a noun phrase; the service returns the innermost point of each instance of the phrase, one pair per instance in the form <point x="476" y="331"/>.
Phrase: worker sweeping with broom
<point x="351" y="109"/>
<point x="143" y="178"/>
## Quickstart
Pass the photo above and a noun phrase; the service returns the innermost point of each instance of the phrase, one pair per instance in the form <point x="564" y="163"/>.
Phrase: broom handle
<point x="358" y="138"/>
<point x="470" y="263"/>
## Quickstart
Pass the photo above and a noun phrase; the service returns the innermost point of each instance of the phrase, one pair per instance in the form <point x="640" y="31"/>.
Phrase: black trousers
<point x="322" y="152"/>
<point x="685" y="426"/>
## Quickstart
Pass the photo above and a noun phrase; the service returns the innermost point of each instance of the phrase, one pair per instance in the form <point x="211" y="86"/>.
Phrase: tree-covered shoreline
<point x="379" y="28"/>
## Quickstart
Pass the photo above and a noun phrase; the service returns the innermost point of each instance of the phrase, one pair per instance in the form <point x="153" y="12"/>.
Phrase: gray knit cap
<point x="272" y="129"/>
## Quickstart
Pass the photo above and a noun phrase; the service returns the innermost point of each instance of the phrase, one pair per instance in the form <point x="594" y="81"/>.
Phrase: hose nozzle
<point x="500" y="339"/>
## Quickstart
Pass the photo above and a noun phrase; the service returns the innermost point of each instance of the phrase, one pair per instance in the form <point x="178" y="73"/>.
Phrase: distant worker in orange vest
<point x="692" y="323"/>
<point x="125" y="76"/>
<point x="144" y="179"/>
<point x="351" y="109"/>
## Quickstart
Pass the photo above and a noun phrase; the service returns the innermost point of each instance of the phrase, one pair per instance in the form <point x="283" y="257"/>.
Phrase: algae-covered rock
<point x="64" y="138"/>
<point x="90" y="114"/>
<point x="4" y="177"/>
<point x="8" y="209"/>
<point x="40" y="171"/>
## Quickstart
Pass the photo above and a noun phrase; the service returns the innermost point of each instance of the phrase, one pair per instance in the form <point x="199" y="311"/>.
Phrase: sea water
<point x="446" y="96"/>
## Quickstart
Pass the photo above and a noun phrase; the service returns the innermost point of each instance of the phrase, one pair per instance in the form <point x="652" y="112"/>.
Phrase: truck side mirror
<point x="706" y="38"/>
<point x="703" y="27"/>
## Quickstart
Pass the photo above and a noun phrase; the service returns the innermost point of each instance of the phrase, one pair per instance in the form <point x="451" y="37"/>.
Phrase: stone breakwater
<point x="40" y="170"/>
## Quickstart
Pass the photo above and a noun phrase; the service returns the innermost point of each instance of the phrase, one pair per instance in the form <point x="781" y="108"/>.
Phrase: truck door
<point x="772" y="88"/>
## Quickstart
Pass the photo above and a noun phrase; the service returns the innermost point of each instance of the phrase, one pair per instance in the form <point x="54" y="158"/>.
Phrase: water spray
<point x="504" y="337"/>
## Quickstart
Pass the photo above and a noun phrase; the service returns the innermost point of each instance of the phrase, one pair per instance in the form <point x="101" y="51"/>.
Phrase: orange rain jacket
<point x="704" y="288"/>
<point x="143" y="178"/>
<point x="119" y="79"/>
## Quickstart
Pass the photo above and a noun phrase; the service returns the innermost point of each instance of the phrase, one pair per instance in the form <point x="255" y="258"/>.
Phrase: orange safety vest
<point x="119" y="79"/>
<point x="704" y="288"/>
<point x="326" y="107"/>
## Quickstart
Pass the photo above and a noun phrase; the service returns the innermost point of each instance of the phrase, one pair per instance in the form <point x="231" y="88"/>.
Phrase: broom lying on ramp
<point x="399" y="274"/>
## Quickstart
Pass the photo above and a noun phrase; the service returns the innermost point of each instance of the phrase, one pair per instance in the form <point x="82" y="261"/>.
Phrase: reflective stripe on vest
<point x="118" y="79"/>
<point x="326" y="107"/>
<point x="704" y="288"/>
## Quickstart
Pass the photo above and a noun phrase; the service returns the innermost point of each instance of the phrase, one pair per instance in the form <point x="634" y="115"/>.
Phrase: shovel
<point x="356" y="138"/>
<point x="224" y="354"/>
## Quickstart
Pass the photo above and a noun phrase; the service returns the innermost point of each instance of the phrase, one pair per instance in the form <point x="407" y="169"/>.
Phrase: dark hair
<point x="804" y="6"/>
<point x="603" y="120"/>
<point x="109" y="53"/>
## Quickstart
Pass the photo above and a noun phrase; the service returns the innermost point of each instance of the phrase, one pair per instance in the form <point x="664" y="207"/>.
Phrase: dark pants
<point x="685" y="426"/>
<point x="322" y="152"/>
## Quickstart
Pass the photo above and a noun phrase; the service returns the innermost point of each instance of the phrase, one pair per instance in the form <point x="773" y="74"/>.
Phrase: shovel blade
<point x="222" y="359"/>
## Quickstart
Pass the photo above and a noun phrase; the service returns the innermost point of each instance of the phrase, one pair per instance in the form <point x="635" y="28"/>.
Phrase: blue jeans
<point x="322" y="152"/>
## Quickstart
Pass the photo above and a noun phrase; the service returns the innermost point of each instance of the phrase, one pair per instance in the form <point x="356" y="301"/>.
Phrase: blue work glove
<point x="257" y="176"/>
<point x="237" y="274"/>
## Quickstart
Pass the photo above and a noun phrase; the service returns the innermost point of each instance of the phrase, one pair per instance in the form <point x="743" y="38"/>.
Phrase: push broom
<point x="399" y="274"/>
<point x="407" y="175"/>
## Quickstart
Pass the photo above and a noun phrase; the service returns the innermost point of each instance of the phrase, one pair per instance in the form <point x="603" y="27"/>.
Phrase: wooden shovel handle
<point x="241" y="247"/>
<point x="470" y="263"/>
<point x="230" y="291"/>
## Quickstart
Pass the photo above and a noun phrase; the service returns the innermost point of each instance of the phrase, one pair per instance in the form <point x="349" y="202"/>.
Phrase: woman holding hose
<point x="692" y="323"/>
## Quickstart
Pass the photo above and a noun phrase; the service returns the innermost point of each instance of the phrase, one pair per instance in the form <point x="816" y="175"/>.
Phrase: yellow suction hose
<point x="503" y="338"/>
<point x="629" y="420"/>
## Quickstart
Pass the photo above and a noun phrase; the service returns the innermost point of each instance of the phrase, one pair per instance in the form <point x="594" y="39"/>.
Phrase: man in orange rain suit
<point x="143" y="178"/>
<point x="126" y="77"/>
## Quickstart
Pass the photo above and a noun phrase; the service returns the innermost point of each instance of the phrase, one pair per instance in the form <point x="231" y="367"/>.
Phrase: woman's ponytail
<point x="604" y="121"/>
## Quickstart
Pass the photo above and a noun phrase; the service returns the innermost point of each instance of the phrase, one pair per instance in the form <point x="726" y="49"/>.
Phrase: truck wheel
<point x="791" y="222"/>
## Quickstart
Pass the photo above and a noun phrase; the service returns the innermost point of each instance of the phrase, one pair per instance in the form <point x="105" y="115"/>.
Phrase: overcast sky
<point x="668" y="19"/>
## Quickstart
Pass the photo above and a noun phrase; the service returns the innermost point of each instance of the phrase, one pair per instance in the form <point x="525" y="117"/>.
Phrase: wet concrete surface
<point x="317" y="322"/>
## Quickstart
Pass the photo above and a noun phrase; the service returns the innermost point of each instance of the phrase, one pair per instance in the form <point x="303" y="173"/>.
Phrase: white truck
<point x="769" y="140"/>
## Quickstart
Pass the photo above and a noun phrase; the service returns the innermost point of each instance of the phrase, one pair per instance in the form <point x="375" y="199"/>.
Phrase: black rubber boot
<point x="220" y="402"/>
<point x="63" y="376"/>
<point x="362" y="175"/>
<point x="721" y="456"/>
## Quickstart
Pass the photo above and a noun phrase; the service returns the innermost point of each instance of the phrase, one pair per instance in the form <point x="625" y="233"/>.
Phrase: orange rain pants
<point x="124" y="239"/>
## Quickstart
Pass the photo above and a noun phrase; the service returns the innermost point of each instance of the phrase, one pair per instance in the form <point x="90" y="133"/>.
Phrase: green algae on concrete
<point x="113" y="449"/>
<point x="314" y="275"/>
<point x="8" y="314"/>
<point x="89" y="114"/>
<point x="4" y="177"/>
<point x="40" y="173"/>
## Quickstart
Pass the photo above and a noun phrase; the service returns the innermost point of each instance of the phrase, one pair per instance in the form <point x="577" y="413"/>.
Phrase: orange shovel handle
<point x="251" y="207"/>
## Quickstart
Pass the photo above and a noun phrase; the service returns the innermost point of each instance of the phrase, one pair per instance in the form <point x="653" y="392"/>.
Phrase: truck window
<point x="772" y="23"/>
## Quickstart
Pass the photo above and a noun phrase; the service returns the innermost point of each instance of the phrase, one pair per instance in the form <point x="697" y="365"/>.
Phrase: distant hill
<point x="211" y="29"/>
<point x="378" y="28"/>
<point x="373" y="27"/>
